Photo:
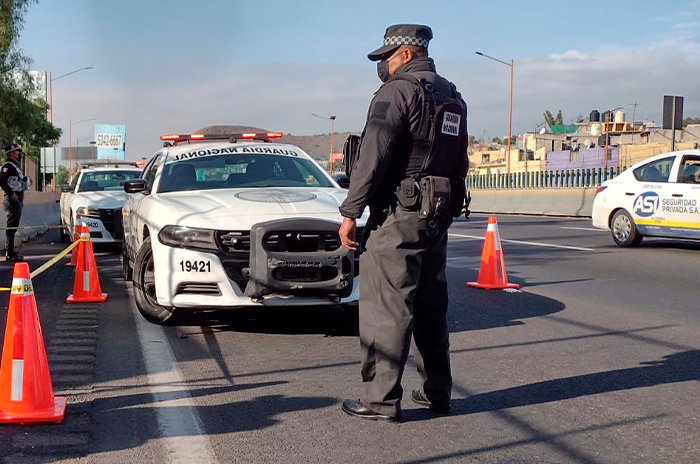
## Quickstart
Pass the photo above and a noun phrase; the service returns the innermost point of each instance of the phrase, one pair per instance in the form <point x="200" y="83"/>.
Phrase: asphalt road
<point x="596" y="360"/>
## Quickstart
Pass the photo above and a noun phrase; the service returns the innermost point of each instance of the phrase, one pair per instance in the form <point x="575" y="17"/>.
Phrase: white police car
<point x="96" y="193"/>
<point x="659" y="197"/>
<point x="223" y="222"/>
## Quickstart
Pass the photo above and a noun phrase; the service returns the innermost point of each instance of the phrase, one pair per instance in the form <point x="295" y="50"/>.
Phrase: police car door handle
<point x="677" y="195"/>
<point x="629" y="194"/>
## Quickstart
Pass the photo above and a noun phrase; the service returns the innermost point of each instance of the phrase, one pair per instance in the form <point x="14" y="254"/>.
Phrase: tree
<point x="472" y="140"/>
<point x="689" y="121"/>
<point x="61" y="176"/>
<point x="21" y="119"/>
<point x="497" y="140"/>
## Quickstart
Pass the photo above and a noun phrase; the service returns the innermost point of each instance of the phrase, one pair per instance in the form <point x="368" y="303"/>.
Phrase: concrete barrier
<point x="547" y="202"/>
<point x="40" y="210"/>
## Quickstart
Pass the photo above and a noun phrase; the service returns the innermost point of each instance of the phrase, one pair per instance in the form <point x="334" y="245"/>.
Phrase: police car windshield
<point x="100" y="181"/>
<point x="240" y="171"/>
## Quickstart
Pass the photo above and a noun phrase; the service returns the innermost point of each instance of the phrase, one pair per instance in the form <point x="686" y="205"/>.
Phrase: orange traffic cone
<point x="26" y="395"/>
<point x="492" y="274"/>
<point x="86" y="288"/>
<point x="76" y="237"/>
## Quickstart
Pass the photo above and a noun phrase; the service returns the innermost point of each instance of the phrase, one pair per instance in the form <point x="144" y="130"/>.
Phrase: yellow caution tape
<point x="47" y="264"/>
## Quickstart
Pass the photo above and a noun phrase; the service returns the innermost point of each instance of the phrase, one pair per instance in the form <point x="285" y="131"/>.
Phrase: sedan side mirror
<point x="344" y="182"/>
<point x="66" y="188"/>
<point x="135" y="186"/>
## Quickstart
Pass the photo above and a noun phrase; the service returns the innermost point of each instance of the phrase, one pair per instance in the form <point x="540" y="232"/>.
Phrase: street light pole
<point x="70" y="136"/>
<point x="510" y="105"/>
<point x="53" y="145"/>
<point x="330" y="155"/>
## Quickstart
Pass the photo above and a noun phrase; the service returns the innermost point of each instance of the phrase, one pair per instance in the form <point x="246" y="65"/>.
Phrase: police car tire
<point x="634" y="238"/>
<point x="145" y="303"/>
<point x="65" y="237"/>
<point x="127" y="271"/>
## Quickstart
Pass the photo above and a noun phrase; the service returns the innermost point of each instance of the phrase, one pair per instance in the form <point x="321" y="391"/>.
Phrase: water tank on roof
<point x="595" y="116"/>
<point x="604" y="117"/>
<point x="619" y="116"/>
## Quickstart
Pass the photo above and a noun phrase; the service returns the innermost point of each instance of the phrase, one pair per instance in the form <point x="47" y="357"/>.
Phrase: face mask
<point x="383" y="71"/>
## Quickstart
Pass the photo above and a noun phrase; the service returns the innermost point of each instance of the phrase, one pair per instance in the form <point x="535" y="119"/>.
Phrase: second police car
<point x="96" y="194"/>
<point x="223" y="222"/>
<point x="659" y="197"/>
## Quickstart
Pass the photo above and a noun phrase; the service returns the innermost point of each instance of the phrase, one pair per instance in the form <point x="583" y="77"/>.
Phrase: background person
<point x="13" y="182"/>
<point x="414" y="142"/>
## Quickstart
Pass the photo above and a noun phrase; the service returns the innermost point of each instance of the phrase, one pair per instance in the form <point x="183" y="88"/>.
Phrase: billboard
<point x="110" y="140"/>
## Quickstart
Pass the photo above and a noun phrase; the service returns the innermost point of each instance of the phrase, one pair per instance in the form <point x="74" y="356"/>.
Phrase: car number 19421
<point x="195" y="266"/>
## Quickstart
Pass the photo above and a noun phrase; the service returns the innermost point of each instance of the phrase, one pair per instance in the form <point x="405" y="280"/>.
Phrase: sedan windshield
<point x="240" y="171"/>
<point x="99" y="181"/>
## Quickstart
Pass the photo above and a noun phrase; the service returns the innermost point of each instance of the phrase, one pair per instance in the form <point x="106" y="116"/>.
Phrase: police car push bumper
<point x="317" y="272"/>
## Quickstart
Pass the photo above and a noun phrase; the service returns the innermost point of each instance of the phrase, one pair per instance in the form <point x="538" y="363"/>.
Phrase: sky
<point x="175" y="66"/>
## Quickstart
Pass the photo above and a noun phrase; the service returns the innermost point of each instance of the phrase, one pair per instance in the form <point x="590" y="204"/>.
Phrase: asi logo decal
<point x="646" y="204"/>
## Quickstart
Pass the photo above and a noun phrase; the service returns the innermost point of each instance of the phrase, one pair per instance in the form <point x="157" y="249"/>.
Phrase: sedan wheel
<point x="624" y="231"/>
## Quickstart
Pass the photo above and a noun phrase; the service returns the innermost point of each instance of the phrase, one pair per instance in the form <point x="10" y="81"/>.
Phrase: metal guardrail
<point x="570" y="178"/>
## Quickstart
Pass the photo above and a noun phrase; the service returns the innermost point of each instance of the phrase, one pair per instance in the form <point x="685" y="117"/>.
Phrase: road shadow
<point x="678" y="367"/>
<point x="476" y="309"/>
<point x="332" y="321"/>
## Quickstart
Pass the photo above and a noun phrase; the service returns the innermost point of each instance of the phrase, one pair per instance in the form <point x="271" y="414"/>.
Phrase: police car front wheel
<point x="624" y="231"/>
<point x="145" y="288"/>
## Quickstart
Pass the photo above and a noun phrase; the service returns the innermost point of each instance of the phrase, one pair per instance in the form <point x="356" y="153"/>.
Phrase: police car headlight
<point x="88" y="211"/>
<point x="187" y="237"/>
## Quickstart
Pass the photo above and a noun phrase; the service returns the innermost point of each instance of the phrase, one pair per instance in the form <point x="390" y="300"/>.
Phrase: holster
<point x="435" y="196"/>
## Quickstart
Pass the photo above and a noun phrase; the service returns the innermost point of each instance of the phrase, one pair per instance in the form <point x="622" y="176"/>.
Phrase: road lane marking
<point x="179" y="425"/>
<point x="520" y="242"/>
<point x="584" y="228"/>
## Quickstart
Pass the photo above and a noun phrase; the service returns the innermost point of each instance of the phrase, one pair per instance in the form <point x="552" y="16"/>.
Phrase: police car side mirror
<point x="135" y="186"/>
<point x="66" y="188"/>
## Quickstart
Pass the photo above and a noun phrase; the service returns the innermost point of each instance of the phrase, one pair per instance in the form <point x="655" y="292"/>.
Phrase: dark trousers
<point x="14" y="213"/>
<point x="403" y="293"/>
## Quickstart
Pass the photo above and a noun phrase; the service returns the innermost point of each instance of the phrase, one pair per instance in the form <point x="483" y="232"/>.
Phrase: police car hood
<point x="108" y="199"/>
<point x="247" y="206"/>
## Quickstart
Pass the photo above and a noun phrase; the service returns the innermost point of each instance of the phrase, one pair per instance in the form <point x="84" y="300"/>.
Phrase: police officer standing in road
<point x="13" y="183"/>
<point x="410" y="171"/>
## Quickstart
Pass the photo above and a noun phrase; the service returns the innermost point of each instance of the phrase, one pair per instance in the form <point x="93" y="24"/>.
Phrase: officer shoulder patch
<point x="450" y="123"/>
<point x="380" y="110"/>
<point x="4" y="169"/>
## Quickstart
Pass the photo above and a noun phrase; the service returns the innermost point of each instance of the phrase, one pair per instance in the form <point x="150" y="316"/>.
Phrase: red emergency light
<point x="264" y="136"/>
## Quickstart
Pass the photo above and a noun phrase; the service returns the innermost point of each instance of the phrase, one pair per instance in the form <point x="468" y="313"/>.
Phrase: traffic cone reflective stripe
<point x="26" y="395"/>
<point x="86" y="288"/>
<point x="492" y="273"/>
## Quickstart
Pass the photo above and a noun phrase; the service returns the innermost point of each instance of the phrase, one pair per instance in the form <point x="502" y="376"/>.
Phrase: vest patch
<point x="450" y="124"/>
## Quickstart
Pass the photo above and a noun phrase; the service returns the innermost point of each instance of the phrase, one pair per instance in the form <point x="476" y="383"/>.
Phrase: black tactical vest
<point x="439" y="145"/>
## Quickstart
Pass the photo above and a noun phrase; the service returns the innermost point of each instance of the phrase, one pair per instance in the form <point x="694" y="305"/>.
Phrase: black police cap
<point x="402" y="34"/>
<point x="12" y="147"/>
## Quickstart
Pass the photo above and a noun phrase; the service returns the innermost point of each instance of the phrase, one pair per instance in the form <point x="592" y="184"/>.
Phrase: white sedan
<point x="659" y="197"/>
<point x="231" y="221"/>
<point x="96" y="194"/>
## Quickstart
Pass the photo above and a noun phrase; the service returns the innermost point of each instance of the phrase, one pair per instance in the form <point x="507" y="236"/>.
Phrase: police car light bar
<point x="246" y="135"/>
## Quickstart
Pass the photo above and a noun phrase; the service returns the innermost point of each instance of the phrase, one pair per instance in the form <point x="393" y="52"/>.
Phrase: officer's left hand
<point x="347" y="233"/>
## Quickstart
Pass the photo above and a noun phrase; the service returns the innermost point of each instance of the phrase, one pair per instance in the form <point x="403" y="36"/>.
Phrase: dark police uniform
<point x="12" y="181"/>
<point x="404" y="289"/>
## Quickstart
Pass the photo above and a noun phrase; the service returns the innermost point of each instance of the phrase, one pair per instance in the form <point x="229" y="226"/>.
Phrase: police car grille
<point x="302" y="241"/>
<point x="234" y="242"/>
<point x="111" y="219"/>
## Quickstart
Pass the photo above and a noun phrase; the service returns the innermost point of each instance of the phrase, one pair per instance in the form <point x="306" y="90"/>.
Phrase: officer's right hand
<point x="347" y="232"/>
<point x="14" y="197"/>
